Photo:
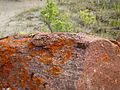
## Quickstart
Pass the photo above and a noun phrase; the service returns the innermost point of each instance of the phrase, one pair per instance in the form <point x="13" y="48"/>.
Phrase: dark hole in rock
<point x="44" y="85"/>
<point x="26" y="89"/>
<point x="82" y="45"/>
<point x="32" y="74"/>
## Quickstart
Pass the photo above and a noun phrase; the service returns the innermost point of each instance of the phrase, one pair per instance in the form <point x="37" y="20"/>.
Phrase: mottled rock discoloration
<point x="58" y="61"/>
<point x="101" y="67"/>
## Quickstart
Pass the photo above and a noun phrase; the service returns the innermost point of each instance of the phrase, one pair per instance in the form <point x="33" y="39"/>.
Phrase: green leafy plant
<point x="114" y="23"/>
<point x="54" y="19"/>
<point x="87" y="17"/>
<point x="22" y="32"/>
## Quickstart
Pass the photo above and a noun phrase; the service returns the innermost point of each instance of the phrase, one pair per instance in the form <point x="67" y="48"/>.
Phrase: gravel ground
<point x="9" y="9"/>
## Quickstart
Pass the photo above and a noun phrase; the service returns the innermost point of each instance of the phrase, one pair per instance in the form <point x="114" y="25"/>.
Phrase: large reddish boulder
<point x="59" y="61"/>
<point x="101" y="66"/>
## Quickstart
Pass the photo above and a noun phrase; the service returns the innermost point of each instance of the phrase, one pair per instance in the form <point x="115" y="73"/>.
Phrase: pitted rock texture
<point x="58" y="61"/>
<point x="101" y="66"/>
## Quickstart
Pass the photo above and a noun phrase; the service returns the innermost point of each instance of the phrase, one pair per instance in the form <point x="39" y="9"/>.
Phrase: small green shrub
<point x="54" y="19"/>
<point x="87" y="17"/>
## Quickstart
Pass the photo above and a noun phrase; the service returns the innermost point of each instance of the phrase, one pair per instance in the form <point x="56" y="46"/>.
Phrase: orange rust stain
<point x="38" y="80"/>
<point x="55" y="70"/>
<point x="24" y="78"/>
<point x="23" y="61"/>
<point x="23" y="40"/>
<point x="46" y="60"/>
<point x="59" y="44"/>
<point x="105" y="57"/>
<point x="32" y="54"/>
<point x="14" y="42"/>
<point x="45" y="56"/>
<point x="7" y="49"/>
<point x="70" y="42"/>
<point x="13" y="88"/>
<point x="41" y="52"/>
<point x="66" y="56"/>
<point x="54" y="48"/>
<point x="19" y="42"/>
<point x="5" y="52"/>
<point x="30" y="46"/>
<point x="28" y="58"/>
<point x="5" y="69"/>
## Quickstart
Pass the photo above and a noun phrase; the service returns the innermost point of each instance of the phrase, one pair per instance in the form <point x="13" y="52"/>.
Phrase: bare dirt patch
<point x="11" y="8"/>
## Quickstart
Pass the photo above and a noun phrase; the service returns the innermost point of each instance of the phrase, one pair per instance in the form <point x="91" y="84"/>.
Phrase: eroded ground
<point x="11" y="8"/>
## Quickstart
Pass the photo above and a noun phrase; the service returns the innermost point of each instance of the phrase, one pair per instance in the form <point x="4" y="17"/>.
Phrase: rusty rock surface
<point x="59" y="61"/>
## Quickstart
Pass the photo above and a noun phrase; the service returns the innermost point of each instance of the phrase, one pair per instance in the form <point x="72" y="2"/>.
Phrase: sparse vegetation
<point x="96" y="17"/>
<point x="99" y="17"/>
<point x="87" y="17"/>
<point x="55" y="20"/>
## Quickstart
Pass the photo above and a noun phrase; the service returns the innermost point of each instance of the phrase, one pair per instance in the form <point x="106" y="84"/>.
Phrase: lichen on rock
<point x="58" y="61"/>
